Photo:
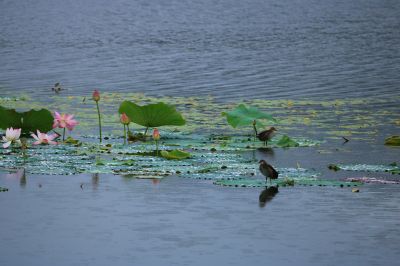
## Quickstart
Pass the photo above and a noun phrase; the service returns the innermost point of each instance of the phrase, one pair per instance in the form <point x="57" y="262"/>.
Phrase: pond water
<point x="294" y="59"/>
<point x="268" y="49"/>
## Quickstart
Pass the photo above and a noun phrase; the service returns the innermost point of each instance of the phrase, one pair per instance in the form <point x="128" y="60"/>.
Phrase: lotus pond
<point x="197" y="196"/>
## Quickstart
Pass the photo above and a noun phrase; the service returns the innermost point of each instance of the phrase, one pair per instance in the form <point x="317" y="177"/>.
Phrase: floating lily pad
<point x="175" y="155"/>
<point x="3" y="189"/>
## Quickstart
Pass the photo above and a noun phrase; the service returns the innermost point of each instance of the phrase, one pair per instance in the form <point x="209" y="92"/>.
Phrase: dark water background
<point x="231" y="50"/>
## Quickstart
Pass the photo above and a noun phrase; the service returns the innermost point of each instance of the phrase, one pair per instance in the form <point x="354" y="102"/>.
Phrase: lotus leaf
<point x="28" y="121"/>
<point x="152" y="115"/>
<point x="244" y="116"/>
<point x="286" y="142"/>
<point x="175" y="155"/>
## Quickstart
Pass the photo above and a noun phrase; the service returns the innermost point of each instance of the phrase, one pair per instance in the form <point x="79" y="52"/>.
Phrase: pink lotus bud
<point x="125" y="119"/>
<point x="156" y="134"/>
<point x="96" y="96"/>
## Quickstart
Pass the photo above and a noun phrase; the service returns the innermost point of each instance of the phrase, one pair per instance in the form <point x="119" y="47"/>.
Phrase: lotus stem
<point x="98" y="112"/>
<point x="156" y="147"/>
<point x="124" y="135"/>
<point x="64" y="134"/>
<point x="145" y="132"/>
<point x="255" y="130"/>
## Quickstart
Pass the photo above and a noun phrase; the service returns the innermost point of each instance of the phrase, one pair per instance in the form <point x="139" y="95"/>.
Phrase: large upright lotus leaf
<point x="28" y="121"/>
<point x="244" y="116"/>
<point x="9" y="118"/>
<point x="33" y="120"/>
<point x="152" y="115"/>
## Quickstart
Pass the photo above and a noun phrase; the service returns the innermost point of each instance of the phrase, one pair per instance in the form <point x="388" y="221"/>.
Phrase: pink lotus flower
<point x="64" y="121"/>
<point x="125" y="119"/>
<point x="96" y="95"/>
<point x="12" y="135"/>
<point x="43" y="138"/>
<point x="156" y="134"/>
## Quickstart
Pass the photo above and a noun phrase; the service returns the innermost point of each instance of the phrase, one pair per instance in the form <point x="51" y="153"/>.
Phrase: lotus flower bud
<point x="125" y="119"/>
<point x="156" y="134"/>
<point x="96" y="96"/>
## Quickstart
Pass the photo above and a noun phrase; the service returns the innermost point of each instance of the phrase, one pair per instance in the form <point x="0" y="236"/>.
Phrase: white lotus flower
<point x="12" y="135"/>
<point x="43" y="138"/>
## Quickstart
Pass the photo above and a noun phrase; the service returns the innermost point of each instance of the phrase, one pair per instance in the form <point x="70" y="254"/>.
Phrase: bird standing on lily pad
<point x="268" y="171"/>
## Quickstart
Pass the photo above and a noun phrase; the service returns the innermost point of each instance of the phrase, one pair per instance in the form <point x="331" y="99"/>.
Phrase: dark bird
<point x="267" y="195"/>
<point x="57" y="87"/>
<point x="268" y="171"/>
<point x="267" y="135"/>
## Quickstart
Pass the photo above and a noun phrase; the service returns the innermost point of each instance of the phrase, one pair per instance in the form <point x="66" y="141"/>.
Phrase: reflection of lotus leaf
<point x="152" y="115"/>
<point x="244" y="116"/>
<point x="28" y="121"/>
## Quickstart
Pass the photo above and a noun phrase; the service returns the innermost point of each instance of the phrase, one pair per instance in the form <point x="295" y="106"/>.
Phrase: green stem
<point x="157" y="147"/>
<point x="64" y="134"/>
<point x="124" y="134"/>
<point x="145" y="132"/>
<point x="255" y="131"/>
<point x="98" y="112"/>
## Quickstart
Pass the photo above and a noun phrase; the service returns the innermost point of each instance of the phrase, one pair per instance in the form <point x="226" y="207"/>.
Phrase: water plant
<point x="175" y="155"/>
<point x="29" y="121"/>
<point x="243" y="115"/>
<point x="393" y="141"/>
<point x="156" y="137"/>
<point x="64" y="121"/>
<point x="96" y="98"/>
<point x="125" y="121"/>
<point x="12" y="136"/>
<point x="152" y="115"/>
<point x="43" y="138"/>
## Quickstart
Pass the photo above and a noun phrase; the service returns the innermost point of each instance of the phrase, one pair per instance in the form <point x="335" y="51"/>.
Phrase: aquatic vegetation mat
<point x="366" y="168"/>
<point x="285" y="182"/>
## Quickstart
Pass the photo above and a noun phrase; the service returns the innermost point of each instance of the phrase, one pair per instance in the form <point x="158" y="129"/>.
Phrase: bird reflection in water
<point x="265" y="152"/>
<point x="20" y="174"/>
<point x="95" y="181"/>
<point x="267" y="195"/>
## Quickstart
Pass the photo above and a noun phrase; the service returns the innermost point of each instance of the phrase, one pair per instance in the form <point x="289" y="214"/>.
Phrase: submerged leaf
<point x="175" y="155"/>
<point x="393" y="141"/>
<point x="152" y="115"/>
<point x="244" y="116"/>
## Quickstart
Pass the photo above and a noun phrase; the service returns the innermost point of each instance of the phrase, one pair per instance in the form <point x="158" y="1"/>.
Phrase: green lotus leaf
<point x="175" y="155"/>
<point x="286" y="142"/>
<point x="244" y="116"/>
<point x="152" y="115"/>
<point x="393" y="141"/>
<point x="28" y="121"/>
